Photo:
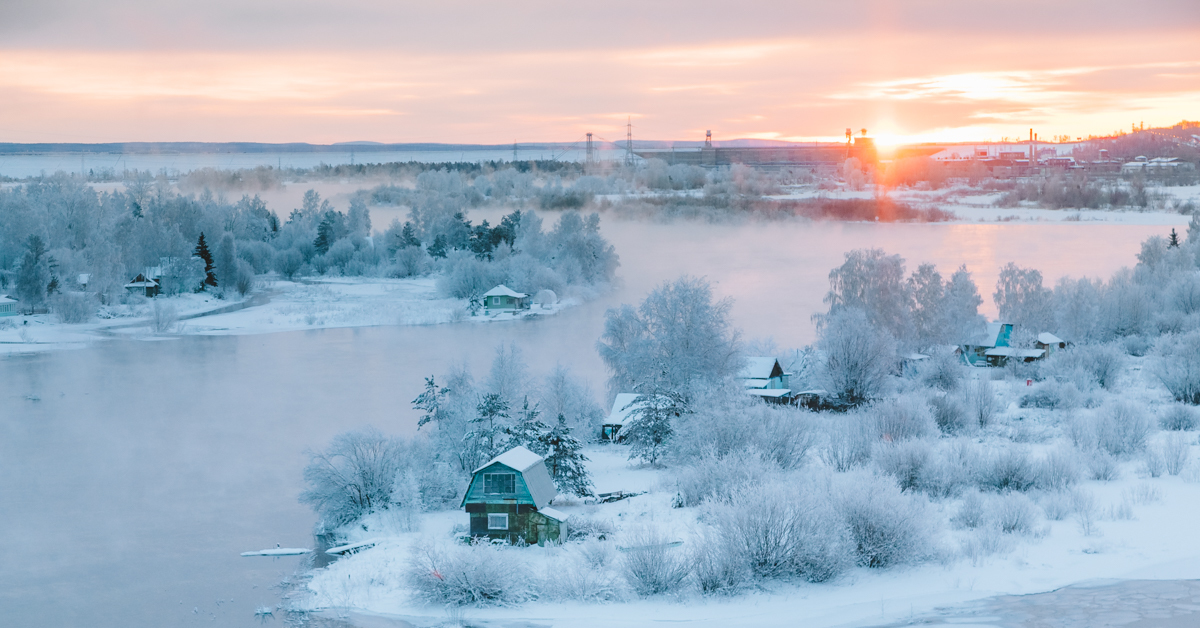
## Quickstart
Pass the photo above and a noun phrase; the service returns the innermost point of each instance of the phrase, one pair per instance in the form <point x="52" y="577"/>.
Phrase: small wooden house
<point x="765" y="378"/>
<point x="141" y="284"/>
<point x="1050" y="343"/>
<point x="502" y="298"/>
<point x="509" y="499"/>
<point x="8" y="307"/>
<point x="997" y="335"/>
<point x="623" y="407"/>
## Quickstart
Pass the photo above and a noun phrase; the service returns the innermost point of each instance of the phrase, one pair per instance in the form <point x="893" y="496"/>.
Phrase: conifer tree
<point x="210" y="278"/>
<point x="408" y="235"/>
<point x="1173" y="241"/>
<point x="489" y="414"/>
<point x="564" y="459"/>
<point x="528" y="431"/>
<point x="430" y="402"/>
<point x="649" y="429"/>
<point x="325" y="236"/>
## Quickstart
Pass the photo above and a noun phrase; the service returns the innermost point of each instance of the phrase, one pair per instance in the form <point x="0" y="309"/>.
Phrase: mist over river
<point x="132" y="473"/>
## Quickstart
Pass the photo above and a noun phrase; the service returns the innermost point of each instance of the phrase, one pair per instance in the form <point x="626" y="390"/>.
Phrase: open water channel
<point x="132" y="473"/>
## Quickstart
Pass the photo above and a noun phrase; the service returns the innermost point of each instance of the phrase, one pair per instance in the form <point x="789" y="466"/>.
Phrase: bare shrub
<point x="650" y="565"/>
<point x="1175" y="453"/>
<point x="949" y="413"/>
<point x="353" y="477"/>
<point x="718" y="567"/>
<point x="1122" y="429"/>
<point x="577" y="579"/>
<point x="1084" y="506"/>
<point x="1053" y="395"/>
<point x="906" y="461"/>
<point x="1178" y="366"/>
<point x="886" y="526"/>
<point x="980" y="402"/>
<point x="1102" y="466"/>
<point x="1152" y="461"/>
<point x="849" y="442"/>
<point x="783" y="529"/>
<point x="1085" y="366"/>
<point x="244" y="279"/>
<point x="970" y="513"/>
<point x="1009" y="469"/>
<point x="583" y="527"/>
<point x="983" y="542"/>
<point x="1056" y="505"/>
<point x="480" y="574"/>
<point x="715" y="477"/>
<point x="1013" y="513"/>
<point x="1177" y="417"/>
<point x="164" y="318"/>
<point x="858" y="356"/>
<point x="944" y="371"/>
<point x="902" y="419"/>
<point x="1057" y="470"/>
<point x="73" y="308"/>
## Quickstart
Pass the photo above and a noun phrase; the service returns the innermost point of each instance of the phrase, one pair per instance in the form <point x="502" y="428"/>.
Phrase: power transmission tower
<point x="629" y="141"/>
<point x="588" y="161"/>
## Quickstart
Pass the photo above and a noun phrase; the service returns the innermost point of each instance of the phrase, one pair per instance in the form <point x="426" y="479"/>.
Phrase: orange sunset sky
<point x="504" y="71"/>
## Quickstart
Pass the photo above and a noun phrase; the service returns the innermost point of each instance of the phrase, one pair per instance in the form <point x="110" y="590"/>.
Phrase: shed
<point x="503" y="298"/>
<point x="8" y="307"/>
<point x="149" y="287"/>
<point x="623" y="406"/>
<point x="763" y="377"/>
<point x="509" y="499"/>
<point x="1050" y="343"/>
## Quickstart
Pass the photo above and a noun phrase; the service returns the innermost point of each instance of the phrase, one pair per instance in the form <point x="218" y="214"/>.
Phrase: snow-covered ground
<point x="275" y="306"/>
<point x="1143" y="529"/>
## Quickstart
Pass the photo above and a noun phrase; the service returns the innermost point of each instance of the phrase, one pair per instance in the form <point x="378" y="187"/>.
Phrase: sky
<point x="515" y="70"/>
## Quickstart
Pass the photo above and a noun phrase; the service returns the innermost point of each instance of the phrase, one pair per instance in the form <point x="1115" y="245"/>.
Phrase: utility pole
<point x="588" y="161"/>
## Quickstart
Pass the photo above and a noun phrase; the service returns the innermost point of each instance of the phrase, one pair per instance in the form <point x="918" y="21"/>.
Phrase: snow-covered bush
<point x="944" y="372"/>
<point x="1053" y="395"/>
<point x="886" y="527"/>
<point x="163" y="318"/>
<point x="970" y="513"/>
<point x="410" y="261"/>
<point x="1057" y="470"/>
<point x="651" y="565"/>
<point x="1178" y="366"/>
<point x="1175" y="452"/>
<point x="950" y="413"/>
<point x="479" y="574"/>
<point x="718" y="567"/>
<point x="906" y="461"/>
<point x="1177" y="417"/>
<point x="353" y="477"/>
<point x="584" y="527"/>
<point x="1152" y="462"/>
<point x="74" y="307"/>
<point x="784" y="529"/>
<point x="980" y="401"/>
<point x="1085" y="366"/>
<point x="576" y="577"/>
<point x="902" y="419"/>
<point x="1122" y="428"/>
<point x="1013" y="513"/>
<point x="1102" y="466"/>
<point x="1006" y="469"/>
<point x="782" y="435"/>
<point x="849" y="441"/>
<point x="713" y="476"/>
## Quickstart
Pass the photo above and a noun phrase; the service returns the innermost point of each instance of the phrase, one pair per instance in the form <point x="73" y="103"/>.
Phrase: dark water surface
<point x="128" y="489"/>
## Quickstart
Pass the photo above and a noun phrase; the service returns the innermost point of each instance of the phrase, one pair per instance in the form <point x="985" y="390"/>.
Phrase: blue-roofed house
<point x="764" y="377"/>
<point x="509" y="499"/>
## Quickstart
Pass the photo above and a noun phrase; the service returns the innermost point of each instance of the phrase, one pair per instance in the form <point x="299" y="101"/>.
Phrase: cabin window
<point x="499" y="483"/>
<point x="498" y="522"/>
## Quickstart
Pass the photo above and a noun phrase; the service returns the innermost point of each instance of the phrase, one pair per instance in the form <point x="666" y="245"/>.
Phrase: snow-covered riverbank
<point x="276" y="306"/>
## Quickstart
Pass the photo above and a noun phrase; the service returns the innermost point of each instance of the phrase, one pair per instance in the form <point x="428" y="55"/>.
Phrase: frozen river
<point x="132" y="473"/>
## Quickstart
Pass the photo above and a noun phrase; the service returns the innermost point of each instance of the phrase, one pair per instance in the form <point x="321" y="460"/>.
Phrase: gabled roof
<point x="1014" y="352"/>
<point x="992" y="335"/>
<point x="623" y="406"/>
<point x="556" y="515"/>
<point x="774" y="393"/>
<point x="1047" y="338"/>
<point x="761" y="368"/>
<point x="141" y="282"/>
<point x="504" y="291"/>
<point x="4" y="299"/>
<point x="532" y="469"/>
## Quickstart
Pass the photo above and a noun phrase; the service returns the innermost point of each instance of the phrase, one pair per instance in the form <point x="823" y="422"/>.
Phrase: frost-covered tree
<point x="928" y="305"/>
<point x="353" y="477"/>
<point x="565" y="460"/>
<point x="430" y="402"/>
<point x="859" y="356"/>
<point x="960" y="309"/>
<point x="1021" y="298"/>
<point x="873" y="282"/>
<point x="509" y="376"/>
<point x="527" y="430"/>
<point x="34" y="274"/>
<point x="358" y="218"/>
<point x="563" y="393"/>
<point x="650" y="428"/>
<point x="678" y="339"/>
<point x="491" y="417"/>
<point x="226" y="262"/>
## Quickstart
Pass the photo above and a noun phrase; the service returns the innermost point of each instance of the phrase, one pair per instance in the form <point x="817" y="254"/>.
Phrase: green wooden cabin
<point x="509" y="499"/>
<point x="8" y="307"/>
<point x="502" y="298"/>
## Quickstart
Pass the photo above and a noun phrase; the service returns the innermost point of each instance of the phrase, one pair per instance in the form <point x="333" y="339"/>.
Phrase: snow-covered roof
<point x="4" y="299"/>
<point x="759" y="368"/>
<point x="755" y="383"/>
<point x="532" y="469"/>
<point x="1014" y="352"/>
<point x="556" y="515"/>
<point x="916" y="357"/>
<point x="773" y="393"/>
<point x="992" y="335"/>
<point x="1047" y="338"/>
<point x="504" y="291"/>
<point x="141" y="284"/>
<point x="623" y="406"/>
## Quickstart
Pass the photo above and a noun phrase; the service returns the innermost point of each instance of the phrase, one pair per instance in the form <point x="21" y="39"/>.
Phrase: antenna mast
<point x="588" y="161"/>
